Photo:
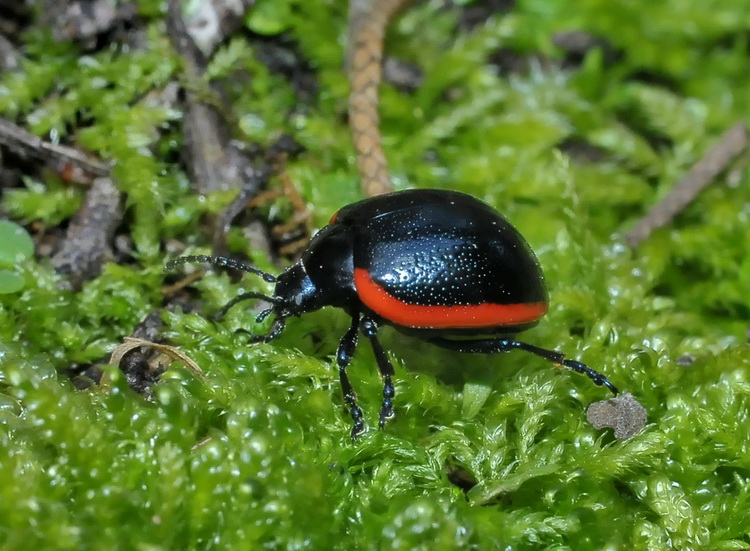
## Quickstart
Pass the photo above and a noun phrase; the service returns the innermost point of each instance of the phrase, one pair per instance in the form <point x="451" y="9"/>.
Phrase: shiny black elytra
<point x="439" y="265"/>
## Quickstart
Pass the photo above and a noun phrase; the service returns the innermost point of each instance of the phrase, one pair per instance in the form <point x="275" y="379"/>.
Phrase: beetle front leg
<point x="343" y="358"/>
<point x="370" y="330"/>
<point x="276" y="328"/>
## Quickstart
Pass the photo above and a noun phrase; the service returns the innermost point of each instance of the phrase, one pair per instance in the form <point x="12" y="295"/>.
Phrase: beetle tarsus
<point x="598" y="378"/>
<point x="559" y="359"/>
<point x="370" y="330"/>
<point x="386" y="410"/>
<point x="359" y="425"/>
<point x="347" y="346"/>
<point x="278" y="326"/>
<point x="276" y="329"/>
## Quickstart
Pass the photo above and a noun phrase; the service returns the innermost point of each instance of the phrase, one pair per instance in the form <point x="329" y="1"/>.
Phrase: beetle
<point x="436" y="264"/>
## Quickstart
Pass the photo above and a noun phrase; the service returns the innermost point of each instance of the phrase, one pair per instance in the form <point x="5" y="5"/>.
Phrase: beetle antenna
<point x="220" y="261"/>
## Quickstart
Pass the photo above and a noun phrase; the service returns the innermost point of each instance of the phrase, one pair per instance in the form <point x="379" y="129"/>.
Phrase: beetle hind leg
<point x="492" y="346"/>
<point x="370" y="330"/>
<point x="343" y="358"/>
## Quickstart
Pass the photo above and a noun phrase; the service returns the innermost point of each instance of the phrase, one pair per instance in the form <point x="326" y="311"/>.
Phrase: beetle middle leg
<point x="343" y="358"/>
<point x="492" y="346"/>
<point x="370" y="330"/>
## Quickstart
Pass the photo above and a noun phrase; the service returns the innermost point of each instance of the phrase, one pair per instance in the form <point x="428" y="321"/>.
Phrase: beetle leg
<point x="491" y="346"/>
<point x="370" y="330"/>
<point x="276" y="328"/>
<point x="241" y="298"/>
<point x="343" y="358"/>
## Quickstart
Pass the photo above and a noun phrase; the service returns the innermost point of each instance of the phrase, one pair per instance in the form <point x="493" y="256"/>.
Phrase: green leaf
<point x="10" y="282"/>
<point x="15" y="243"/>
<point x="51" y="202"/>
<point x="269" y="17"/>
<point x="475" y="395"/>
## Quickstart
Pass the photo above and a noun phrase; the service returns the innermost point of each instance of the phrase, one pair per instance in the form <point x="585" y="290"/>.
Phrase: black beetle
<point x="435" y="264"/>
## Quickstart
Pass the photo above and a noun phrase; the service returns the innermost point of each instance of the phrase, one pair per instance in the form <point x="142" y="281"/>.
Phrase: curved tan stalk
<point x="368" y="20"/>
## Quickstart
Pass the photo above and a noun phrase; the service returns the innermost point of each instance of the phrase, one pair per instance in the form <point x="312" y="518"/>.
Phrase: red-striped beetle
<point x="439" y="265"/>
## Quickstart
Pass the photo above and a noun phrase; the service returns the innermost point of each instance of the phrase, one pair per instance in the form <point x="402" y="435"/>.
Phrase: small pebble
<point x="623" y="413"/>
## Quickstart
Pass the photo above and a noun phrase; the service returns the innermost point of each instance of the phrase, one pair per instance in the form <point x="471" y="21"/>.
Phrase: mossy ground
<point x="258" y="455"/>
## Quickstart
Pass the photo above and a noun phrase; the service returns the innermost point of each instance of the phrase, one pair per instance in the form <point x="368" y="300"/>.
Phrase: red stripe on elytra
<point x="377" y="299"/>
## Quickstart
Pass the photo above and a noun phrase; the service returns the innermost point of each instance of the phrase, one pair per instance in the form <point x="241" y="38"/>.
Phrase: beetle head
<point x="295" y="293"/>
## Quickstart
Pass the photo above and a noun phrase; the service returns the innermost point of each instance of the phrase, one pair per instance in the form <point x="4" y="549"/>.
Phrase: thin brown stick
<point x="213" y="159"/>
<point x="171" y="290"/>
<point x="368" y="20"/>
<point x="713" y="163"/>
<point x="26" y="144"/>
<point x="88" y="240"/>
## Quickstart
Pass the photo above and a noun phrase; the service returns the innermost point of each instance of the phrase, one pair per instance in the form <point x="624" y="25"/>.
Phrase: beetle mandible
<point x="439" y="265"/>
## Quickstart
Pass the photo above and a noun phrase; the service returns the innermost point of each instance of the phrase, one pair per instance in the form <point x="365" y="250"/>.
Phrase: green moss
<point x="15" y="247"/>
<point x="256" y="453"/>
